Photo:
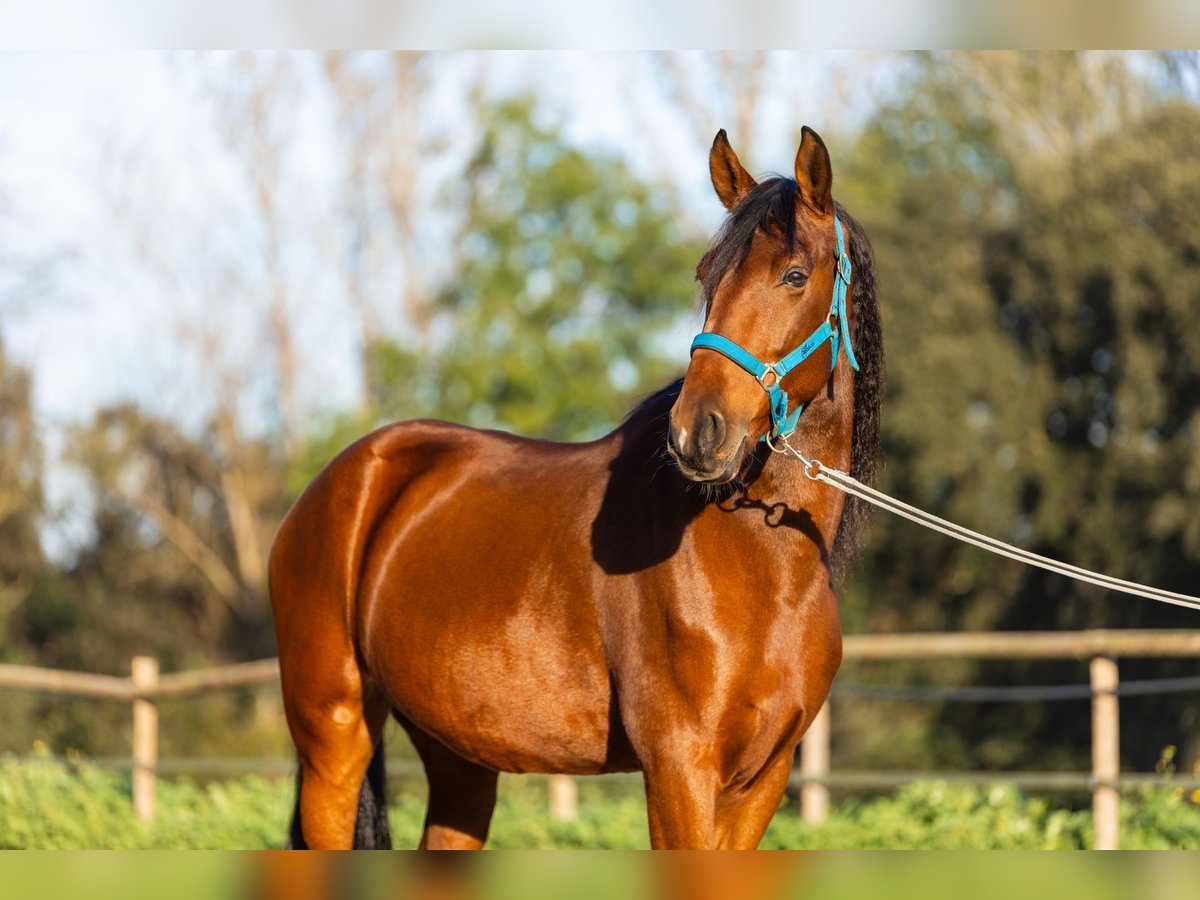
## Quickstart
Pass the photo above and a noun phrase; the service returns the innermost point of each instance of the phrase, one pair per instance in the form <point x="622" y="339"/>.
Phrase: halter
<point x="769" y="375"/>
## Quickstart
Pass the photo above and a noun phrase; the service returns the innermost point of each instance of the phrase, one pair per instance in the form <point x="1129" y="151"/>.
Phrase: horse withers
<point x="658" y="600"/>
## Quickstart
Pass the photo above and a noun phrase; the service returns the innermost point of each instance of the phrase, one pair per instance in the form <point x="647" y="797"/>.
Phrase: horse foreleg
<point x="743" y="816"/>
<point x="688" y="809"/>
<point x="681" y="799"/>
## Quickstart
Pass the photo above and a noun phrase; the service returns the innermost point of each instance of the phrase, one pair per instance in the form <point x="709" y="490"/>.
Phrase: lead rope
<point x="843" y="481"/>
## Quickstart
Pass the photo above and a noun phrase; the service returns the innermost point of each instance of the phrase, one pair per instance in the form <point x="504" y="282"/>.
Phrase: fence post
<point x="1106" y="752"/>
<point x="144" y="671"/>
<point x="814" y="763"/>
<point x="564" y="798"/>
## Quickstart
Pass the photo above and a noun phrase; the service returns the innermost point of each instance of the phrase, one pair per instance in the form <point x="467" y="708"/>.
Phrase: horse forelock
<point x="770" y="206"/>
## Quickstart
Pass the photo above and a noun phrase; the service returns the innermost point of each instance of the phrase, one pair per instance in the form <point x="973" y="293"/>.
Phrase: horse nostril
<point x="712" y="433"/>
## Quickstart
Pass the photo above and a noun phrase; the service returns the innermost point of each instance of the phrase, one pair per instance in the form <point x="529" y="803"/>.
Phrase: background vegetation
<point x="47" y="805"/>
<point x="1036" y="221"/>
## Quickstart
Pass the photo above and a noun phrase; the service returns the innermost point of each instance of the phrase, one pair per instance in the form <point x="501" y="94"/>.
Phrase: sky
<point x="89" y="139"/>
<point x="68" y="120"/>
<point x="62" y="116"/>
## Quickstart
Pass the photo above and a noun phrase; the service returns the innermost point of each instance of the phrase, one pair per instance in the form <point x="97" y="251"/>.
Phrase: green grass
<point x="45" y="804"/>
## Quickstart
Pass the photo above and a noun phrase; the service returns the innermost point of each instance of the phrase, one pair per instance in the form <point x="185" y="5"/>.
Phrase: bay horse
<point x="657" y="600"/>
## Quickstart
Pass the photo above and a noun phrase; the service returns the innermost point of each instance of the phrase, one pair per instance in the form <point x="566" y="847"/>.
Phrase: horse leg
<point x="688" y="810"/>
<point x="681" y="799"/>
<point x="742" y="822"/>
<point x="336" y="723"/>
<point x="462" y="795"/>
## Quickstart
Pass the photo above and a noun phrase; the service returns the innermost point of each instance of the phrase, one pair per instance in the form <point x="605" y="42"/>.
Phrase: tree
<point x="1100" y="287"/>
<point x="572" y="275"/>
<point x="1039" y="304"/>
<point x="167" y="496"/>
<point x="22" y="506"/>
<point x="380" y="115"/>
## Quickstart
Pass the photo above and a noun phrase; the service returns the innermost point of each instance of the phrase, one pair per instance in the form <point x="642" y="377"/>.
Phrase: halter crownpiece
<point x="769" y="375"/>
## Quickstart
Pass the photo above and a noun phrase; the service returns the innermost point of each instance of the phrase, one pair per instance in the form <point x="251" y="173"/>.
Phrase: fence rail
<point x="1101" y="648"/>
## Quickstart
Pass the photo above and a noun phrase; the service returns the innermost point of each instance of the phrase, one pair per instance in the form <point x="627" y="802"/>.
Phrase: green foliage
<point x="1039" y="301"/>
<point x="48" y="805"/>
<point x="22" y="567"/>
<point x="940" y="816"/>
<point x="571" y="272"/>
<point x="1099" y="288"/>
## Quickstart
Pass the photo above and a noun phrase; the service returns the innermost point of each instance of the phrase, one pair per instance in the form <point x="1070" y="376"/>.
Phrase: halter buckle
<point x="844" y="269"/>
<point x="762" y="379"/>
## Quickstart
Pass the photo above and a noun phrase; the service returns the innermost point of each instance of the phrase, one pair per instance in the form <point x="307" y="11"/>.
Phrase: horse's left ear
<point x="814" y="174"/>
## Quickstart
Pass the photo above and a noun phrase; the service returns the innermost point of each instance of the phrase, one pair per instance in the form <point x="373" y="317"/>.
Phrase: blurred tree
<point x="22" y="563"/>
<point x="573" y="273"/>
<point x="386" y="141"/>
<point x="722" y="86"/>
<point x="255" y="104"/>
<point x="1047" y="104"/>
<point x="168" y="539"/>
<point x="1098" y="283"/>
<point x="1036" y="295"/>
<point x="929" y="180"/>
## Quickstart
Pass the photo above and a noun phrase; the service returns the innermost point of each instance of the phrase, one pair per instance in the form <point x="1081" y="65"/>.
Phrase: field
<point x="46" y="804"/>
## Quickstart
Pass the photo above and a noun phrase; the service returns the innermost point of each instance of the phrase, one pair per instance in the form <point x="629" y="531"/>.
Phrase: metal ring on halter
<point x="812" y="467"/>
<point x="844" y="268"/>
<point x="762" y="379"/>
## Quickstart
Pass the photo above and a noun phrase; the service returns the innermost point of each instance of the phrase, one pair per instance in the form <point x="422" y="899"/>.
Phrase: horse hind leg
<point x="462" y="795"/>
<point x="337" y="729"/>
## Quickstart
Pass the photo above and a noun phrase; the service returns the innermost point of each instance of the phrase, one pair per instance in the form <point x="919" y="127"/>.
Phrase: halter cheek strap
<point x="769" y="375"/>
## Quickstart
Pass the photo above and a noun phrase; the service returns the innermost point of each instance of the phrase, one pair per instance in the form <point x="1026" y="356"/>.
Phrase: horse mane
<point x="771" y="205"/>
<point x="866" y="332"/>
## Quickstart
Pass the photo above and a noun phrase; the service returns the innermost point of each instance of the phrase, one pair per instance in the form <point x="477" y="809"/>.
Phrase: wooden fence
<point x="1101" y="649"/>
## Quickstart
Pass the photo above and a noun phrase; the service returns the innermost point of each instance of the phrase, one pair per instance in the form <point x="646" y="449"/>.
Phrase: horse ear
<point x="814" y="174"/>
<point x="731" y="181"/>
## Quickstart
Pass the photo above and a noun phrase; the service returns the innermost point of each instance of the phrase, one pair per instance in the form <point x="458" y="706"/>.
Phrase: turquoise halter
<point x="769" y="375"/>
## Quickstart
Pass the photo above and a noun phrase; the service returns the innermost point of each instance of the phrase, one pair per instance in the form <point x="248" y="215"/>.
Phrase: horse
<point x="660" y="600"/>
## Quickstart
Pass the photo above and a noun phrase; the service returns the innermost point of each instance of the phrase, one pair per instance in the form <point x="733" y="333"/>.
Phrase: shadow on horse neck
<point x="630" y="534"/>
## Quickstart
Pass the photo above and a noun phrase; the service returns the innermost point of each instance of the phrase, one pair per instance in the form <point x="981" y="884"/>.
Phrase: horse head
<point x="775" y="282"/>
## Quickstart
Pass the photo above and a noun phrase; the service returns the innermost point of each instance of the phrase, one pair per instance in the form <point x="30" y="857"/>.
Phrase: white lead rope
<point x="843" y="481"/>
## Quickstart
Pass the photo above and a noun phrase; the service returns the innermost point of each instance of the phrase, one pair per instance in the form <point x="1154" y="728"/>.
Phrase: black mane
<point x="866" y="332"/>
<point x="771" y="205"/>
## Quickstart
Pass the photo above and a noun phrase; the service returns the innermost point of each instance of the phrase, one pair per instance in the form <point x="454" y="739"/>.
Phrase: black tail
<point x="371" y="830"/>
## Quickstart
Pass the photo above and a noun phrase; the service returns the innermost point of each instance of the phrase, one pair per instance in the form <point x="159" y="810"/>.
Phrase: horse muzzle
<point x="705" y="451"/>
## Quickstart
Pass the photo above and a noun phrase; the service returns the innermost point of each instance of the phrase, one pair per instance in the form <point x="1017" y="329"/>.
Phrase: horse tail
<point x="371" y="829"/>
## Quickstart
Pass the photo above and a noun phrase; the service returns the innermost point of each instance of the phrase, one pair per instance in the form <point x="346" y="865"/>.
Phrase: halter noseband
<point x="769" y="375"/>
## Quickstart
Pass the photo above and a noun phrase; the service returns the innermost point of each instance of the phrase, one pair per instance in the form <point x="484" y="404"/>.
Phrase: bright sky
<point x="59" y="115"/>
<point x="67" y="118"/>
<point x="70" y="123"/>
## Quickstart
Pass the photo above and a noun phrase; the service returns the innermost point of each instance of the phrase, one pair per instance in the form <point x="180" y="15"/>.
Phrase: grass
<point x="46" y="804"/>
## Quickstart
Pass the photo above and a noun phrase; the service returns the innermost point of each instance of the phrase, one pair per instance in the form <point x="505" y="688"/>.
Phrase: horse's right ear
<point x="731" y="181"/>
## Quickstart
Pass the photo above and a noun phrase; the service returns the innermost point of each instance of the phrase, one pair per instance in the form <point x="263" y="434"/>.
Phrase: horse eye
<point x="794" y="278"/>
